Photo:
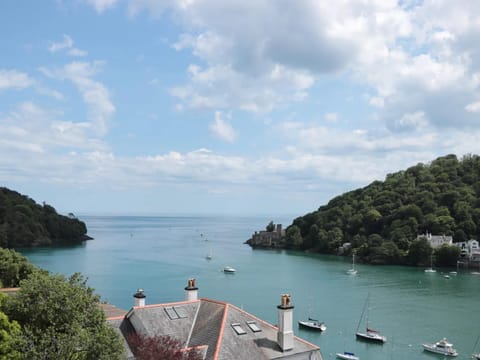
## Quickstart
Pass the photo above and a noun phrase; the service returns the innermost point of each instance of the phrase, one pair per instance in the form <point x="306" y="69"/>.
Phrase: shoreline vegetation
<point x="381" y="222"/>
<point x="24" y="223"/>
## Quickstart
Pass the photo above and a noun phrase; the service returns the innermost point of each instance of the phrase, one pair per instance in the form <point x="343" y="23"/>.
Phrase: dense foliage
<point x="24" y="223"/>
<point x="14" y="267"/>
<point x="160" y="347"/>
<point x="382" y="220"/>
<point x="10" y="336"/>
<point x="60" y="318"/>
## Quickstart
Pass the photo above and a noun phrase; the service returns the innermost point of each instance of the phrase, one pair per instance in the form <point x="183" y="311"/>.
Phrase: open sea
<point x="159" y="254"/>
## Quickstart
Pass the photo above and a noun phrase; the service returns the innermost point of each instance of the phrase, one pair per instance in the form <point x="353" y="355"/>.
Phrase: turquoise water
<point x="159" y="254"/>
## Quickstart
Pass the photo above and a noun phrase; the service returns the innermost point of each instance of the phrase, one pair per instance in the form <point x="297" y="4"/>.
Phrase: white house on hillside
<point x="437" y="240"/>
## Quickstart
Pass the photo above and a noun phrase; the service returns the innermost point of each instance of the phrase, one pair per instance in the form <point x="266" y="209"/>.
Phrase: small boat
<point x="352" y="271"/>
<point x="369" y="334"/>
<point x="347" y="356"/>
<point x="431" y="269"/>
<point x="475" y="355"/>
<point x="441" y="347"/>
<point x="228" y="270"/>
<point x="313" y="324"/>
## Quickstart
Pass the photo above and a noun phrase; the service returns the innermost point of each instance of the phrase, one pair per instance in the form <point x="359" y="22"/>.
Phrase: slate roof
<point x="208" y="324"/>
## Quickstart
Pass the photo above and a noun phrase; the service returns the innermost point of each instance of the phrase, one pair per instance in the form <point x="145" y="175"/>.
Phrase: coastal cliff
<point x="24" y="223"/>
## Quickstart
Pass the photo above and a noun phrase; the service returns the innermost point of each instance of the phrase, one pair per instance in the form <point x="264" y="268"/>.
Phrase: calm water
<point x="159" y="254"/>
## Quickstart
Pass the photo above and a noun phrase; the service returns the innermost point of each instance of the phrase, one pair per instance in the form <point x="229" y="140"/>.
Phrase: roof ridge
<point x="220" y="333"/>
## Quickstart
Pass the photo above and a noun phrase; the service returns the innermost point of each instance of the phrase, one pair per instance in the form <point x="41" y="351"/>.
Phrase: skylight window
<point x="238" y="329"/>
<point x="172" y="314"/>
<point x="175" y="312"/>
<point x="180" y="312"/>
<point x="253" y="326"/>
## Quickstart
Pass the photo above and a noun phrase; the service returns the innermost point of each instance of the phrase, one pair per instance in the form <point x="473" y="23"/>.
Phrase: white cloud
<point x="67" y="44"/>
<point x="13" y="79"/>
<point x="222" y="129"/>
<point x="331" y="117"/>
<point x="473" y="107"/>
<point x="101" y="5"/>
<point x="94" y="93"/>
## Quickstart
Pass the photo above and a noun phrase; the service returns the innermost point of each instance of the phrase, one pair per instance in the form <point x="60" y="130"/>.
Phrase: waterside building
<point x="216" y="329"/>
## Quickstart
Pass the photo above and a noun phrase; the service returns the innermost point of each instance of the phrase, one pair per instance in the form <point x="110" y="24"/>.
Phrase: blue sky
<point x="230" y="107"/>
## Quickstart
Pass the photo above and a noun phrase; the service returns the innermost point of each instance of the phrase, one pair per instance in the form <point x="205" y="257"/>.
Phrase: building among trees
<point x="214" y="329"/>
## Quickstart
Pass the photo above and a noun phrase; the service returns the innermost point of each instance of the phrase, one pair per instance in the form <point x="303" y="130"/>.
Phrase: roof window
<point x="253" y="326"/>
<point x="238" y="329"/>
<point x="175" y="312"/>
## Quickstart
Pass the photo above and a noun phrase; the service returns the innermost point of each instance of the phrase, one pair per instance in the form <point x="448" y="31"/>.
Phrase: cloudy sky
<point x="239" y="106"/>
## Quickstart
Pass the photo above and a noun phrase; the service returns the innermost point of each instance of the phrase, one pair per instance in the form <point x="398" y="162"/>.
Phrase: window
<point x="180" y="312"/>
<point x="172" y="314"/>
<point x="175" y="312"/>
<point x="238" y="329"/>
<point x="253" y="326"/>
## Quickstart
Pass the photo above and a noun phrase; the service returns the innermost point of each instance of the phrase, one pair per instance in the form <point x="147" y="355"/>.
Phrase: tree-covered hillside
<point x="24" y="223"/>
<point x="383" y="219"/>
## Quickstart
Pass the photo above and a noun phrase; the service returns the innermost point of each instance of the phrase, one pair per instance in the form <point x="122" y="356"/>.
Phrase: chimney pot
<point x="139" y="297"/>
<point x="191" y="290"/>
<point x="285" y="323"/>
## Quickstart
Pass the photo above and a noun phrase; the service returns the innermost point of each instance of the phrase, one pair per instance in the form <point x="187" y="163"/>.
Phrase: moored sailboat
<point x="352" y="271"/>
<point x="369" y="334"/>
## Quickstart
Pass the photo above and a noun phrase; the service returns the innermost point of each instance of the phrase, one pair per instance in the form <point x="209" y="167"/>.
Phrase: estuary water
<point x="159" y="254"/>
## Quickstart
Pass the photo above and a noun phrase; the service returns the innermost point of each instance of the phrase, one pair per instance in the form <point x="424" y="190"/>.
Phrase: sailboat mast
<point x="363" y="313"/>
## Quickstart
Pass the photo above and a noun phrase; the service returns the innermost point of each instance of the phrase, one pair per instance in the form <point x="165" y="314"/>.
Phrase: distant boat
<point x="347" y="356"/>
<point x="352" y="271"/>
<point x="369" y="334"/>
<point x="446" y="276"/>
<point x="431" y="269"/>
<point x="209" y="255"/>
<point x="476" y="356"/>
<point x="442" y="347"/>
<point x="313" y="324"/>
<point x="229" y="270"/>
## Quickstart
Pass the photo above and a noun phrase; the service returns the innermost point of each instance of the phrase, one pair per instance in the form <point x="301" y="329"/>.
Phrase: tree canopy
<point x="25" y="223"/>
<point x="383" y="219"/>
<point x="60" y="319"/>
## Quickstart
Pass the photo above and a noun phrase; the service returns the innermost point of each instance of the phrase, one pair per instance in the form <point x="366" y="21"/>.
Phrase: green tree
<point x="447" y="255"/>
<point x="61" y="319"/>
<point x="294" y="237"/>
<point x="419" y="252"/>
<point x="14" y="267"/>
<point x="270" y="227"/>
<point x="10" y="336"/>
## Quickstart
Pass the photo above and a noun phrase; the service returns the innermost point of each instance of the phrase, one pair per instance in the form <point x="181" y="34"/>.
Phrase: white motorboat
<point x="228" y="270"/>
<point x="313" y="324"/>
<point x="441" y="347"/>
<point x="347" y="356"/>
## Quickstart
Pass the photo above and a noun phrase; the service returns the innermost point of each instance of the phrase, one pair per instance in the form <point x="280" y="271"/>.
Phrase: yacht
<point x="441" y="347"/>
<point x="228" y="270"/>
<point x="313" y="324"/>
<point x="347" y="356"/>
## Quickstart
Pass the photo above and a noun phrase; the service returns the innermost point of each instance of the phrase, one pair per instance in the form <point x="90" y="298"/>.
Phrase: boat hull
<point x="432" y="348"/>
<point x="312" y="326"/>
<point x="347" y="356"/>
<point x="376" y="338"/>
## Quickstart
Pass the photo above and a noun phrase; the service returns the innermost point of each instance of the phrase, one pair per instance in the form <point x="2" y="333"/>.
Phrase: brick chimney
<point x="285" y="323"/>
<point x="139" y="297"/>
<point x="191" y="291"/>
